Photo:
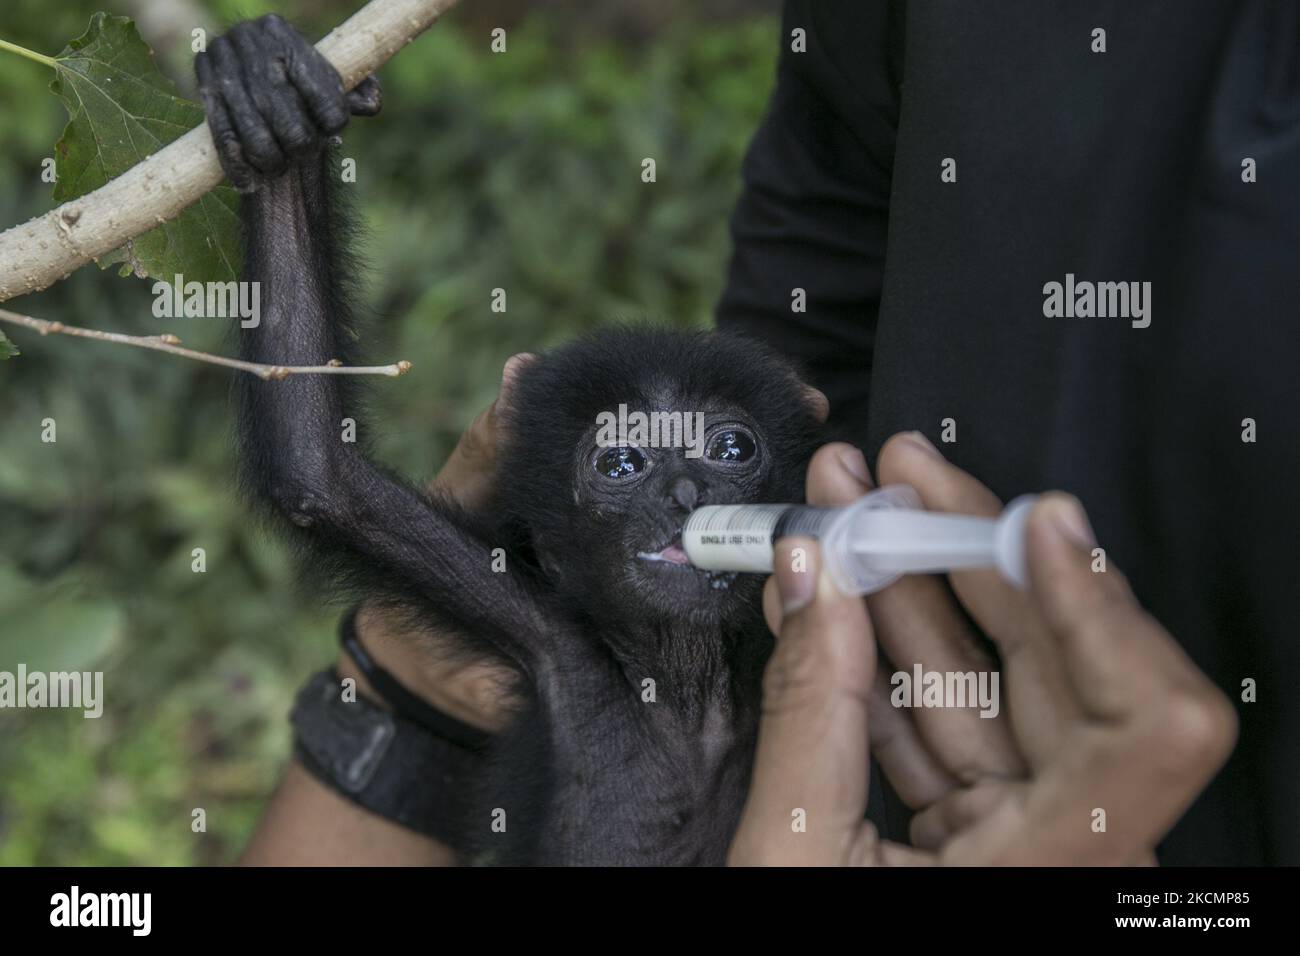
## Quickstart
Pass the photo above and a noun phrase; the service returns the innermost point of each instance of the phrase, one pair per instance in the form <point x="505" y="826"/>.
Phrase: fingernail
<point x="923" y="443"/>
<point x="816" y="398"/>
<point x="510" y="371"/>
<point x="1070" y="520"/>
<point x="795" y="565"/>
<point x="855" y="463"/>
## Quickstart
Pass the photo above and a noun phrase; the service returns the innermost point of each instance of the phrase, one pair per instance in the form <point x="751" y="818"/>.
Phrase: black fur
<point x="588" y="772"/>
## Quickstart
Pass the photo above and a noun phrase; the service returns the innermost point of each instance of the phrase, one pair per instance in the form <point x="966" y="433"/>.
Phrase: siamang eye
<point x="621" y="462"/>
<point x="731" y="444"/>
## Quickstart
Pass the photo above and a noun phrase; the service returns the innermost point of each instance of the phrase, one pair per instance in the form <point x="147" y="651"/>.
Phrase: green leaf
<point x="121" y="110"/>
<point x="7" y="348"/>
<point x="55" y="627"/>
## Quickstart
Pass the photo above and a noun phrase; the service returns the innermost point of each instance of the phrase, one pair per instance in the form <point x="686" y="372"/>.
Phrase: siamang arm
<point x="272" y="101"/>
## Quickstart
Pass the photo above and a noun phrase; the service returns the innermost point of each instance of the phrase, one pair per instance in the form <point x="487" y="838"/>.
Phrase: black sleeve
<point x="815" y="203"/>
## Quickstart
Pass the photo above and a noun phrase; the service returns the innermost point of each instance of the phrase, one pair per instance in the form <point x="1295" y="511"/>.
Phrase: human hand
<point x="1104" y="711"/>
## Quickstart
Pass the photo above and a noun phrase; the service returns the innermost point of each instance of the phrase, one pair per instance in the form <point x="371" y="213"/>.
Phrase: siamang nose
<point x="684" y="493"/>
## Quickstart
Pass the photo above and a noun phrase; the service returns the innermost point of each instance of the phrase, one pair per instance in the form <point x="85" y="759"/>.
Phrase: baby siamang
<point x="596" y="597"/>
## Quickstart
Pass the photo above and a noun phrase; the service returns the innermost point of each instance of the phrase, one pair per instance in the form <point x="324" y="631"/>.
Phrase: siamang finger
<point x="261" y="150"/>
<point x="229" y="151"/>
<point x="367" y="99"/>
<point x="313" y="76"/>
<point x="269" y="87"/>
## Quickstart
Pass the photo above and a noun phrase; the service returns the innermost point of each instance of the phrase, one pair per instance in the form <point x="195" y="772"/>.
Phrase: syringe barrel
<point x="741" y="537"/>
<point x="866" y="545"/>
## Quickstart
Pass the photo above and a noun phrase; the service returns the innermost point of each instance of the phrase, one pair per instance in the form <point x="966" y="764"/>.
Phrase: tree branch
<point x="44" y="250"/>
<point x="171" y="343"/>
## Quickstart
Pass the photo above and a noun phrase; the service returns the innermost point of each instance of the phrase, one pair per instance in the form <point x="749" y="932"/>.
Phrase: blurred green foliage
<point x="519" y="171"/>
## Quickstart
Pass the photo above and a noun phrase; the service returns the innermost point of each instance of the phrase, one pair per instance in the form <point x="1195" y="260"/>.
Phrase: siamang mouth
<point x="672" y="553"/>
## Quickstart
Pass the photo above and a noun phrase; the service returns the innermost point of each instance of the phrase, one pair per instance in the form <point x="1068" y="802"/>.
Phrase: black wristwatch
<point x="410" y="764"/>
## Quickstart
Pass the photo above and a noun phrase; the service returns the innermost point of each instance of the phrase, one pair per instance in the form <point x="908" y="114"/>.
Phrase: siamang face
<point x="723" y="421"/>
<point x="638" y="496"/>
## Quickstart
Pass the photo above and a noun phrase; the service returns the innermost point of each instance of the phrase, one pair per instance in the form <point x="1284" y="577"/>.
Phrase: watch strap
<point x="402" y="701"/>
<point x="380" y="760"/>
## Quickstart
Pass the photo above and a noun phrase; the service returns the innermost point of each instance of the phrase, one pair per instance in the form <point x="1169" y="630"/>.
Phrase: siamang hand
<point x="272" y="100"/>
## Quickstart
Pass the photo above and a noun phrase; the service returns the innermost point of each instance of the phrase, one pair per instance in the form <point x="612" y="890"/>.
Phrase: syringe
<point x="866" y="545"/>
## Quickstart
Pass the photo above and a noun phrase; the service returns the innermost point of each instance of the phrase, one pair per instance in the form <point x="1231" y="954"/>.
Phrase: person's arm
<point x="307" y="823"/>
<point x="813" y="211"/>
<point x="1100" y="712"/>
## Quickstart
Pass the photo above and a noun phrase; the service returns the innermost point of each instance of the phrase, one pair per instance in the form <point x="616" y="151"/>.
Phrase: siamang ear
<point x="816" y="399"/>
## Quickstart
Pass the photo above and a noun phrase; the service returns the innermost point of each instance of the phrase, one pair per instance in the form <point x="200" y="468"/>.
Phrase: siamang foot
<point x="272" y="100"/>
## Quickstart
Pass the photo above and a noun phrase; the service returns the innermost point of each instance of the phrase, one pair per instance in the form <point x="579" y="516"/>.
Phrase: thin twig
<point x="30" y="54"/>
<point x="171" y="343"/>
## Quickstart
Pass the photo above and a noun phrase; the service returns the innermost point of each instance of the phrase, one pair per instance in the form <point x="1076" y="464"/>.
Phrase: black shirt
<point x="928" y="300"/>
